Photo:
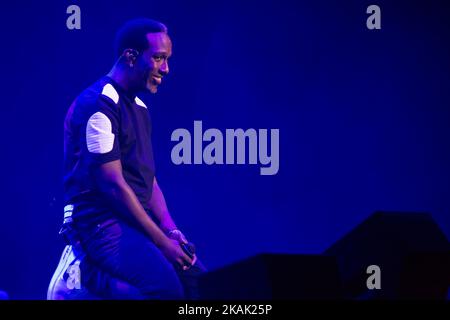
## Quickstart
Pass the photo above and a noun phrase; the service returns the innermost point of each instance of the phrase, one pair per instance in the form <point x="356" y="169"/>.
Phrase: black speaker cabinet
<point x="413" y="255"/>
<point x="274" y="276"/>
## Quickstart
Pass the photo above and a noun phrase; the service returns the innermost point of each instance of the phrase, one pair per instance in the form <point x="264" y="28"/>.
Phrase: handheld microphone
<point x="189" y="249"/>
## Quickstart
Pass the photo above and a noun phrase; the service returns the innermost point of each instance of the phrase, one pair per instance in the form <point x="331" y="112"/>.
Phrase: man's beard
<point x="149" y="85"/>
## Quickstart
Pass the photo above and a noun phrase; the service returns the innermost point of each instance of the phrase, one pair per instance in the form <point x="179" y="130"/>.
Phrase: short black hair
<point x="132" y="35"/>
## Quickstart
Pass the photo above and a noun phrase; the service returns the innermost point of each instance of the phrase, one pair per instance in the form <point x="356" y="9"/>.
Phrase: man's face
<point x="153" y="64"/>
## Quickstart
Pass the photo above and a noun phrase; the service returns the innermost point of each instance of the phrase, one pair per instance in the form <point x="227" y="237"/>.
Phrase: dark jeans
<point x="122" y="263"/>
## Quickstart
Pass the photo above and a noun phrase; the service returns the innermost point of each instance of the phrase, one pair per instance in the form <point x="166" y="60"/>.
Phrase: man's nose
<point x="164" y="69"/>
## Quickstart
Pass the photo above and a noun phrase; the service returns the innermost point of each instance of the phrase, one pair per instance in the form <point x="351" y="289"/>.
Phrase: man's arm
<point x="113" y="185"/>
<point x="159" y="208"/>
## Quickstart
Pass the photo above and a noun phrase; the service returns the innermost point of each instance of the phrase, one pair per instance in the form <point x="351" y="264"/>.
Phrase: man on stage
<point x="120" y="233"/>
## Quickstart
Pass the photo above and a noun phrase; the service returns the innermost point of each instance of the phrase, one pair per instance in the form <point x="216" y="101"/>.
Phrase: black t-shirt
<point x="103" y="124"/>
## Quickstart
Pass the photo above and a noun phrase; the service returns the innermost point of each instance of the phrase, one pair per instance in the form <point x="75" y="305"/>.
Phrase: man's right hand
<point x="172" y="250"/>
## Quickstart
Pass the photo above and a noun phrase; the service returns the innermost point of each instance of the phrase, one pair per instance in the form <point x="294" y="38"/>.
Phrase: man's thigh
<point x="123" y="253"/>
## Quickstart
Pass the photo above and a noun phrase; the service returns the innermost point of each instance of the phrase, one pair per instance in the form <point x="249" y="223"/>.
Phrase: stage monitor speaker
<point x="274" y="276"/>
<point x="412" y="253"/>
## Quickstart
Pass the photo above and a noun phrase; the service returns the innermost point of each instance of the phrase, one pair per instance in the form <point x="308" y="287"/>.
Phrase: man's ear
<point x="130" y="56"/>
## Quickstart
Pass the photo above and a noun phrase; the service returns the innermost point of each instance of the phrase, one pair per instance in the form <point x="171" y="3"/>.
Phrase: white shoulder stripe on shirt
<point x="110" y="92"/>
<point x="99" y="136"/>
<point x="139" y="102"/>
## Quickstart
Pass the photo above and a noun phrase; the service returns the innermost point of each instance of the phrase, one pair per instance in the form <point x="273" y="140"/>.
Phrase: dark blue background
<point x="363" y="118"/>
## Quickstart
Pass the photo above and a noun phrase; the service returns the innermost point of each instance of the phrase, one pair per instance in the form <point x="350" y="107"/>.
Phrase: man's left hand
<point x="179" y="236"/>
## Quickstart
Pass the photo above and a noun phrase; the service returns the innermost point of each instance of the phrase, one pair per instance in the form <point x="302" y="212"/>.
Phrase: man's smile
<point x="156" y="79"/>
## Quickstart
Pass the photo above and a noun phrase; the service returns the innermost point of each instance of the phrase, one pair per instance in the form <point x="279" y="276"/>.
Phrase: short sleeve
<point x="102" y="132"/>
